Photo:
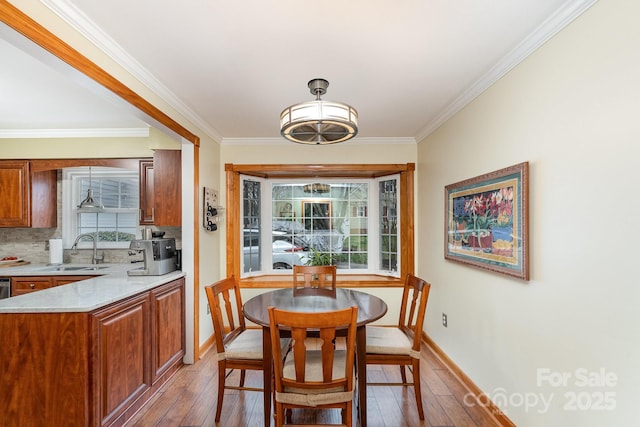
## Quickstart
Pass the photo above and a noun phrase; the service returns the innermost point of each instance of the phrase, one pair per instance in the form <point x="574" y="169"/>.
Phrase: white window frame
<point x="373" y="223"/>
<point x="70" y="197"/>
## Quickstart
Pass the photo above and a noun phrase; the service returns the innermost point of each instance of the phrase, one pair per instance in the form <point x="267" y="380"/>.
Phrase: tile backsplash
<point x="31" y="244"/>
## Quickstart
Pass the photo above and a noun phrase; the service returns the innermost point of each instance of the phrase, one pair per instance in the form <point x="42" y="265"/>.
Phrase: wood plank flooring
<point x="189" y="400"/>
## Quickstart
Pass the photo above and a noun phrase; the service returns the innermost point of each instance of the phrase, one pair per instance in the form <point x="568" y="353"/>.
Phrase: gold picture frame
<point x="487" y="221"/>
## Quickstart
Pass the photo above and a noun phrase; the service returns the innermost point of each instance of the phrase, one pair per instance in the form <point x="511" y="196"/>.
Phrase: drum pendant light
<point x="319" y="122"/>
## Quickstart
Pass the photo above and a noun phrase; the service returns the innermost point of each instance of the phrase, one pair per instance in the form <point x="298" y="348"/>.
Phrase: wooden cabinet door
<point x="44" y="199"/>
<point x="14" y="193"/>
<point x="122" y="368"/>
<point x="167" y="176"/>
<point x="147" y="191"/>
<point x="168" y="328"/>
<point x="28" y="199"/>
<point x="25" y="284"/>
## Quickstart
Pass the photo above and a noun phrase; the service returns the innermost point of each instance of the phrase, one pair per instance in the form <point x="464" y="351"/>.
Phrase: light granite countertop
<point x="111" y="285"/>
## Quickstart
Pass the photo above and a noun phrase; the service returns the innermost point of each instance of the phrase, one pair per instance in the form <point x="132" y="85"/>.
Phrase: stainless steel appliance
<point x="159" y="256"/>
<point x="5" y="287"/>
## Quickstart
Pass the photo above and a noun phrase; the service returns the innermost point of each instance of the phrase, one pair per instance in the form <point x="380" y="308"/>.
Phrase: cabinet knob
<point x="32" y="285"/>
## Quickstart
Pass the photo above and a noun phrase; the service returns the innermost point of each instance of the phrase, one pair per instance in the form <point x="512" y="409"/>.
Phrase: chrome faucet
<point x="95" y="259"/>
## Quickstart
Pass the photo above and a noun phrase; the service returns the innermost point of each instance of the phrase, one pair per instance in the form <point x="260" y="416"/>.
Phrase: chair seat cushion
<point x="247" y="345"/>
<point x="385" y="340"/>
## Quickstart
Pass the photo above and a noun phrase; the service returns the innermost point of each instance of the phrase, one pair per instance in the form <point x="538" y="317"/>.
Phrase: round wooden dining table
<point x="370" y="308"/>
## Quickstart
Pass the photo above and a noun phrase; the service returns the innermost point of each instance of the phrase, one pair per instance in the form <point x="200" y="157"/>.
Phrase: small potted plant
<point x="319" y="258"/>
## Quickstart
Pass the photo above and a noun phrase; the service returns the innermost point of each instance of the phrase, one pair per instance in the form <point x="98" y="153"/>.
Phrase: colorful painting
<point x="487" y="221"/>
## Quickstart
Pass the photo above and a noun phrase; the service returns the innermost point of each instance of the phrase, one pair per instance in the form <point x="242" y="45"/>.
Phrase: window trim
<point x="69" y="213"/>
<point x="234" y="222"/>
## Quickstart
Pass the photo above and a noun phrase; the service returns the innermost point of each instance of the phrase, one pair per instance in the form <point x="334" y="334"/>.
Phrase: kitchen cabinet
<point x="123" y="357"/>
<point x="95" y="368"/>
<point x="14" y="193"/>
<point x="167" y="328"/>
<point x="63" y="280"/>
<point x="147" y="189"/>
<point x="25" y="284"/>
<point x="167" y="194"/>
<point x="28" y="199"/>
<point x="44" y="199"/>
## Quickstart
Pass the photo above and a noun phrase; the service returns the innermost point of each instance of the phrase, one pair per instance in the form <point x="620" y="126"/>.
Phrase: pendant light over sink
<point x="88" y="204"/>
<point x="319" y="122"/>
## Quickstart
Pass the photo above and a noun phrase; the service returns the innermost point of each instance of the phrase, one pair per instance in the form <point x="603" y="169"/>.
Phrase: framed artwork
<point x="316" y="214"/>
<point x="284" y="209"/>
<point x="487" y="221"/>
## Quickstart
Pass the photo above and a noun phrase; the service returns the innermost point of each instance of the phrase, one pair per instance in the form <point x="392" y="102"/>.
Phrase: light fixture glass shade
<point x="317" y="188"/>
<point x="319" y="122"/>
<point x="88" y="204"/>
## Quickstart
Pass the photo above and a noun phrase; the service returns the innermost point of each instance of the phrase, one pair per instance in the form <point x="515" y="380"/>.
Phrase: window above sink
<point x="115" y="188"/>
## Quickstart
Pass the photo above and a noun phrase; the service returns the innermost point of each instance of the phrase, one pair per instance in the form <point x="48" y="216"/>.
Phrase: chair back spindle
<point x="314" y="373"/>
<point x="314" y="280"/>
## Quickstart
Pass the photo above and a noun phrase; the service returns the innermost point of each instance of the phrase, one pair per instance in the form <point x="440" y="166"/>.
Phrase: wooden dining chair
<point x="314" y="374"/>
<point x="314" y="280"/>
<point x="400" y="345"/>
<point x="238" y="347"/>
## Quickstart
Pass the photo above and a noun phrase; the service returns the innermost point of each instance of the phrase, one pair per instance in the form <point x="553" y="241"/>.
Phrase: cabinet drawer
<point x="21" y="285"/>
<point x="63" y="280"/>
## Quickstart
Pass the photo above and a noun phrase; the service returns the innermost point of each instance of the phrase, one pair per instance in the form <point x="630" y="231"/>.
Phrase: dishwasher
<point x="5" y="287"/>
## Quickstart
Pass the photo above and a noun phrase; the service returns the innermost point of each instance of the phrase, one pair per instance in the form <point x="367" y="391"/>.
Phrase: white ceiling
<point x="232" y="66"/>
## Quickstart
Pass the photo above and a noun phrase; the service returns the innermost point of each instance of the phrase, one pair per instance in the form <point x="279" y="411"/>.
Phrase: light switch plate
<point x="210" y="196"/>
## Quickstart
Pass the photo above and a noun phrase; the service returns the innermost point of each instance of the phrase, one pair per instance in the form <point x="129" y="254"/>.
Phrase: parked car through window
<point x="286" y="250"/>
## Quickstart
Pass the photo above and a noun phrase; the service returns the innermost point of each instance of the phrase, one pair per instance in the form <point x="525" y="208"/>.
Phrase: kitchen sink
<point x="63" y="268"/>
<point x="74" y="268"/>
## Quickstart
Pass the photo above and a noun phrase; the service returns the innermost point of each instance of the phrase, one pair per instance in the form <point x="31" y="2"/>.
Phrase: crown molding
<point x="549" y="28"/>
<point x="356" y="140"/>
<point x="75" y="133"/>
<point x="88" y="29"/>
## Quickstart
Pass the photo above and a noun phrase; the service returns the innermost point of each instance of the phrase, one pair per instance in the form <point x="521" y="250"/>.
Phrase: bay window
<point x="355" y="216"/>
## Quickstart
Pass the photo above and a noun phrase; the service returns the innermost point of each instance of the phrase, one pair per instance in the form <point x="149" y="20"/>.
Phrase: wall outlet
<point x="211" y="196"/>
<point x="444" y="320"/>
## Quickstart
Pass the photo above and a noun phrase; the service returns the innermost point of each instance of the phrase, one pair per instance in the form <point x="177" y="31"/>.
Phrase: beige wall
<point x="571" y="110"/>
<point x="211" y="243"/>
<point x="62" y="148"/>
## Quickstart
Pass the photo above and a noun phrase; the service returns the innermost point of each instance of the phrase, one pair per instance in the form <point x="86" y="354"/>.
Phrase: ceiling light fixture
<point x="319" y="122"/>
<point x="88" y="204"/>
<point x="317" y="188"/>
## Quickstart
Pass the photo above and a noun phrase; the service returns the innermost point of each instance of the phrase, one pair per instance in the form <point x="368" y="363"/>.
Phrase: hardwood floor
<point x="189" y="400"/>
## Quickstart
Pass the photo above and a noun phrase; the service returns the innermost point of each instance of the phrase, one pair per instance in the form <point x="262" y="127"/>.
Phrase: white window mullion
<point x="108" y="185"/>
<point x="374" y="228"/>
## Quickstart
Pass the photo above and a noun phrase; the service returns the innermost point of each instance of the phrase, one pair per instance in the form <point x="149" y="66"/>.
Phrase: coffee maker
<point x="159" y="256"/>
